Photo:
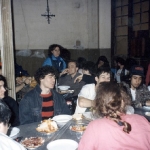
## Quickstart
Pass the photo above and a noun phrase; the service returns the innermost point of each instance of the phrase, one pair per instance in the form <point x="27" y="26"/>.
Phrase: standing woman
<point x="116" y="130"/>
<point x="54" y="58"/>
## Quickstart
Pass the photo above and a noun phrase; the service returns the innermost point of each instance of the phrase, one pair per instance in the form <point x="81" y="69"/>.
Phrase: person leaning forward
<point x="43" y="101"/>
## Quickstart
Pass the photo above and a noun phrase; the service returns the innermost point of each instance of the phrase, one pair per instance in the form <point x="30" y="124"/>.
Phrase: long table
<point x="29" y="130"/>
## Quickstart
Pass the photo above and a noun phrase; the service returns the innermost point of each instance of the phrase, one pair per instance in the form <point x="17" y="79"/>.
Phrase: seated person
<point x="54" y="58"/>
<point x="102" y="62"/>
<point x="136" y="89"/>
<point x="68" y="76"/>
<point x="122" y="74"/>
<point x="6" y="143"/>
<point x="87" y="94"/>
<point x="88" y="73"/>
<point x="81" y="61"/>
<point x="43" y="101"/>
<point x="19" y="71"/>
<point x="116" y="130"/>
<point x="22" y="82"/>
<point x="11" y="103"/>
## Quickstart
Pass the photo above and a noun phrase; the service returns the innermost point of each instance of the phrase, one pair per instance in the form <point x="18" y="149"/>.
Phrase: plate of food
<point x="32" y="142"/>
<point x="12" y="132"/>
<point x="78" y="127"/>
<point x="62" y="144"/>
<point x="47" y="126"/>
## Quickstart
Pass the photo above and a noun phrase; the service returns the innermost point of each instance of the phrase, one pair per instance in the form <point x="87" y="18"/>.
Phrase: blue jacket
<point x="52" y="61"/>
<point x="30" y="107"/>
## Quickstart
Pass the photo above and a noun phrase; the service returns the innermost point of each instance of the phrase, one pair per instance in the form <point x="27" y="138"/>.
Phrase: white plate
<point x="63" y="144"/>
<point x="13" y="132"/>
<point x="63" y="87"/>
<point x="147" y="113"/>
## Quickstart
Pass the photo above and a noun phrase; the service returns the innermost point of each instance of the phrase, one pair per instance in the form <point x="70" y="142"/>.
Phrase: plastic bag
<point x="39" y="54"/>
<point x="25" y="52"/>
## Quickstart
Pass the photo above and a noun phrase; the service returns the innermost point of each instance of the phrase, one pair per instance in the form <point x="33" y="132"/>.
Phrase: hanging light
<point x="48" y="14"/>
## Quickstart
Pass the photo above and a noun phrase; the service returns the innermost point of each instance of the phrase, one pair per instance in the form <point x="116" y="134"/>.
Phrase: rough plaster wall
<point x="105" y="28"/>
<point x="74" y="20"/>
<point x="105" y="23"/>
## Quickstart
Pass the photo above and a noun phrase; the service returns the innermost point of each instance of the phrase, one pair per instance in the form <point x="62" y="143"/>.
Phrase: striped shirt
<point x="47" y="106"/>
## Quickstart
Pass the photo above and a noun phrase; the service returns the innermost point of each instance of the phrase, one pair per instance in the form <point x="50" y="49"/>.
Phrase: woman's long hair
<point x="111" y="100"/>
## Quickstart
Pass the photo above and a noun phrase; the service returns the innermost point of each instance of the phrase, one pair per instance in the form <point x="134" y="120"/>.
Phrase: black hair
<point x="65" y="54"/>
<point x="43" y="71"/>
<point x="52" y="47"/>
<point x="103" y="70"/>
<point x="5" y="113"/>
<point x="90" y="66"/>
<point x="81" y="61"/>
<point x="120" y="60"/>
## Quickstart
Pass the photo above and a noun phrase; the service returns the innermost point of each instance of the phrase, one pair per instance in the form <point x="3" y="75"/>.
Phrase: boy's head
<point x="43" y="71"/>
<point x="103" y="75"/>
<point x="137" y="74"/>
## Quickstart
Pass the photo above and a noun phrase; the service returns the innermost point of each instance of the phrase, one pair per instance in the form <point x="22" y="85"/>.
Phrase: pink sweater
<point x="105" y="134"/>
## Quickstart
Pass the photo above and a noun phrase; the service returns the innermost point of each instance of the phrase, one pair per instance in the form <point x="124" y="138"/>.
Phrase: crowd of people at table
<point x="107" y="91"/>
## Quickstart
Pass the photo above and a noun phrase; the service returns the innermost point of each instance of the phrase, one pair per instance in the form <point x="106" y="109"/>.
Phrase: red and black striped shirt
<point x="47" y="106"/>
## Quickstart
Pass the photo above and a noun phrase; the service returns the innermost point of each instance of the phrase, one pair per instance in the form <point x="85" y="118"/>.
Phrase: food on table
<point x="78" y="128"/>
<point x="77" y="116"/>
<point x="32" y="142"/>
<point x="47" y="126"/>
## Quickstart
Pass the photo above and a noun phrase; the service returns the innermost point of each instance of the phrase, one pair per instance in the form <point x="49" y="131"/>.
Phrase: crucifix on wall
<point x="48" y="14"/>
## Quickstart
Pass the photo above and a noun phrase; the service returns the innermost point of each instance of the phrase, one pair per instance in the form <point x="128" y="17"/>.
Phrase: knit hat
<point x="137" y="70"/>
